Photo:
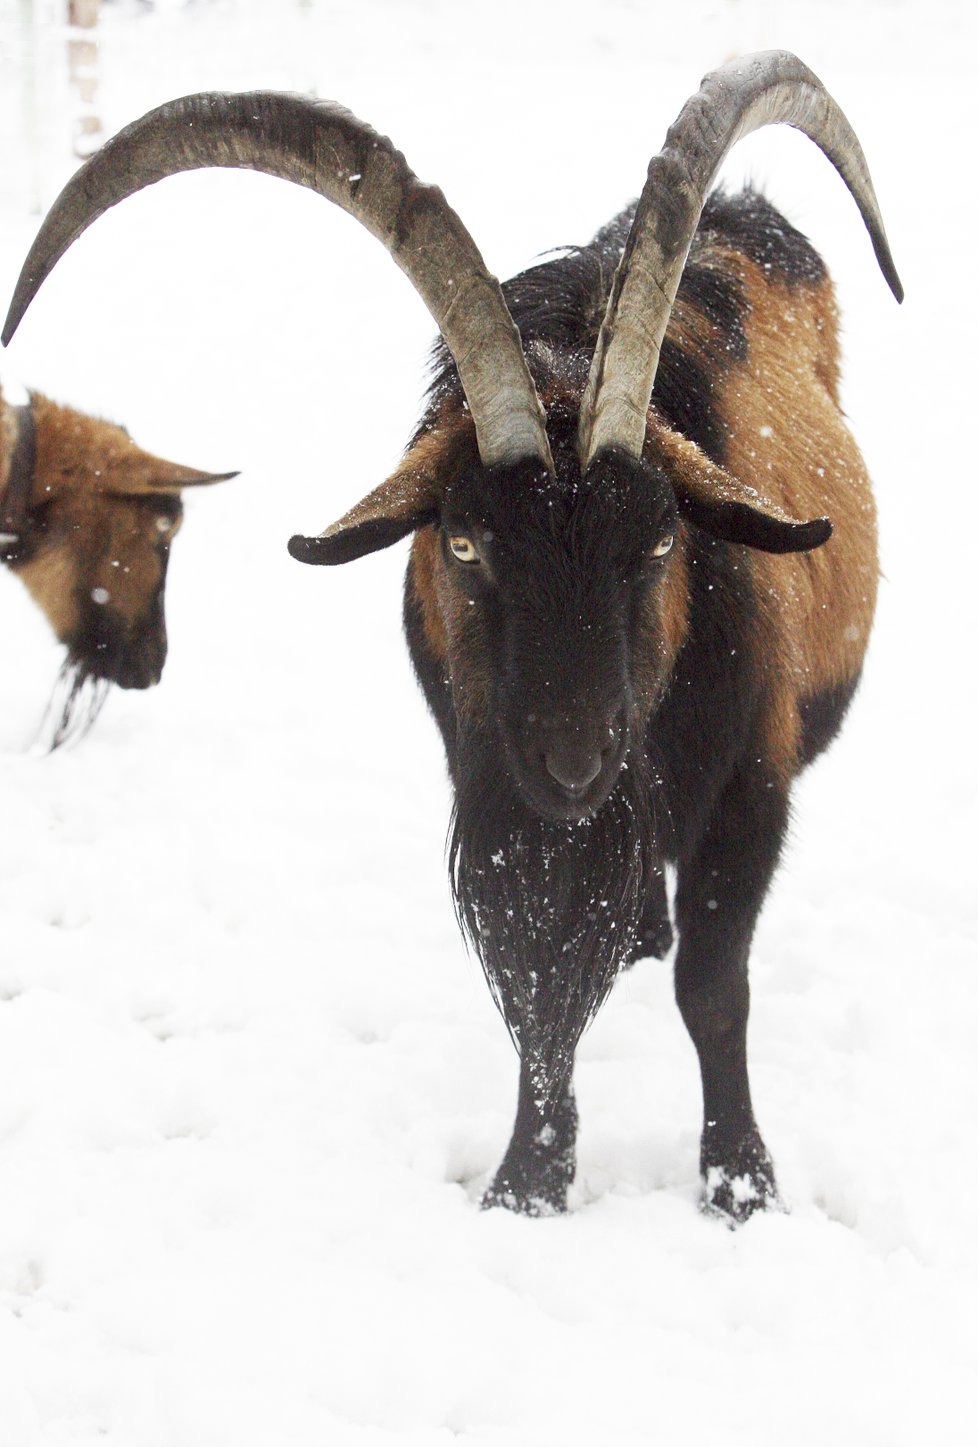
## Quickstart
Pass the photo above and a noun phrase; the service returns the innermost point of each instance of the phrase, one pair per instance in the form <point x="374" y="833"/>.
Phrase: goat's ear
<point x="406" y="501"/>
<point x="142" y="475"/>
<point x="74" y="449"/>
<point x="725" y="507"/>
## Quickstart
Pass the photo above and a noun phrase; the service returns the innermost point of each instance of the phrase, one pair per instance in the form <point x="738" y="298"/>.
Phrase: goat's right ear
<point x="406" y="501"/>
<point x="723" y="506"/>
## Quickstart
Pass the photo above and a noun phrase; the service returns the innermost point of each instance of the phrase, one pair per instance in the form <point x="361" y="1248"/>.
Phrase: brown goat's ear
<point x="723" y="506"/>
<point x="406" y="501"/>
<point x="142" y="475"/>
<point x="75" y="450"/>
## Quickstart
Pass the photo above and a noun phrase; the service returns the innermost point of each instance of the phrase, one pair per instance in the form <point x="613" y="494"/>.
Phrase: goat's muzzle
<point x="139" y="669"/>
<point x="131" y="658"/>
<point x="566" y="765"/>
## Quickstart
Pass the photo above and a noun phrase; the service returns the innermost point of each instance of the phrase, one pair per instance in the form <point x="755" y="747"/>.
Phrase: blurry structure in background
<point x="83" y="17"/>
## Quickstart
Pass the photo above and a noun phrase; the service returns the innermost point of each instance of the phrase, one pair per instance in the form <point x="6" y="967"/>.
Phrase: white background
<point x="251" y="1086"/>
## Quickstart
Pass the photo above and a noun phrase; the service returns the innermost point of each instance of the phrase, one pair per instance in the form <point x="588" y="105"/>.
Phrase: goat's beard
<point x="76" y="701"/>
<point x="550" y="908"/>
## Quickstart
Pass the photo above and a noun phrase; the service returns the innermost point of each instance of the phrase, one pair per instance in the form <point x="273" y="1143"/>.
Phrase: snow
<point x="250" y="1085"/>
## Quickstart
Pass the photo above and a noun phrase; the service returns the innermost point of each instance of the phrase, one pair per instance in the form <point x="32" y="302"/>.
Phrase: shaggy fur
<point x="551" y="908"/>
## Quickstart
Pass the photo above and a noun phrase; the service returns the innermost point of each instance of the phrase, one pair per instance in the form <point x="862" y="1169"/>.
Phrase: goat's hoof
<point x="500" y="1193"/>
<point x="735" y="1189"/>
<point x="535" y="1188"/>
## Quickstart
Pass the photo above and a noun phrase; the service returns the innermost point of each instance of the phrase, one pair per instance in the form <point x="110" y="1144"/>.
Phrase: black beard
<point x="550" y="908"/>
<point x="76" y="702"/>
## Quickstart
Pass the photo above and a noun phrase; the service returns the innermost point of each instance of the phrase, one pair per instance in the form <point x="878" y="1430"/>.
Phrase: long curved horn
<point x="767" y="88"/>
<point x="321" y="145"/>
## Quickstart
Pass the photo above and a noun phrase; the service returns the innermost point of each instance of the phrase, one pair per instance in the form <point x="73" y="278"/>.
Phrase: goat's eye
<point x="662" y="546"/>
<point x="165" y="524"/>
<point x="464" y="549"/>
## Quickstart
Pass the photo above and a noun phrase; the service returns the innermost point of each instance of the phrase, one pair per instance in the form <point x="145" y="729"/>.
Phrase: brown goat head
<point x="92" y="546"/>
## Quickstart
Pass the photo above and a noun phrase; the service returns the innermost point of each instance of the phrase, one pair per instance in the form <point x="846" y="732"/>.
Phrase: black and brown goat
<point x="86" y="522"/>
<point x="626" y="604"/>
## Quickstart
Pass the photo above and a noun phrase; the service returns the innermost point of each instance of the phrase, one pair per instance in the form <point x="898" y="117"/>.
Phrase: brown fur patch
<point x="425" y="561"/>
<point x="788" y="439"/>
<point x="50" y="578"/>
<point x="76" y="452"/>
<point x="664" y="628"/>
<point x="674" y="604"/>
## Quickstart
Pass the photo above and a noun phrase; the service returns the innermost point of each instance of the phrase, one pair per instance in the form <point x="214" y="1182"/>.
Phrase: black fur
<point x="697" y="735"/>
<point x="356" y="542"/>
<point x="684" y="387"/>
<point x="551" y="908"/>
<point x="562" y="897"/>
<point x="76" y="702"/>
<point x="107" y="647"/>
<point x="748" y="222"/>
<point x="822" y="715"/>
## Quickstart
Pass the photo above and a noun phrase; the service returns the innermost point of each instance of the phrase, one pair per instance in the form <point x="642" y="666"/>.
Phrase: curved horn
<point x="321" y="145"/>
<point x="767" y="88"/>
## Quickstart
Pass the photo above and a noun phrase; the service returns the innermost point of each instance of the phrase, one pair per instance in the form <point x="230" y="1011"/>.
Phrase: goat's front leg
<point x="539" y="1162"/>
<point x="721" y="888"/>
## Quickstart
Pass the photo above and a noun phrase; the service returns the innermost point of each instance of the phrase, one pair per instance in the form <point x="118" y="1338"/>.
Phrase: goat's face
<point x="97" y="567"/>
<point x="555" y="605"/>
<point x="560" y="599"/>
<point x="103" y="516"/>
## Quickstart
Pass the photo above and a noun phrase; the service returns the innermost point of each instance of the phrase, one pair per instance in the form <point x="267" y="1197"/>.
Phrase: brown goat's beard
<point x="76" y="701"/>
<point x="551" y="909"/>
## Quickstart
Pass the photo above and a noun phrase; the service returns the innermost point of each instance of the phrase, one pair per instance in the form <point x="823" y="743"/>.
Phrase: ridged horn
<point x="768" y="88"/>
<point x="321" y="145"/>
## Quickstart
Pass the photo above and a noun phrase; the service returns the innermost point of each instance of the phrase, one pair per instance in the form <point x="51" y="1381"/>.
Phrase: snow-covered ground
<point x="250" y="1084"/>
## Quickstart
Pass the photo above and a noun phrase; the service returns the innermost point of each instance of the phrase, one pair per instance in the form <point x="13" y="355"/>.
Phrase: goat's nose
<point x="572" y="765"/>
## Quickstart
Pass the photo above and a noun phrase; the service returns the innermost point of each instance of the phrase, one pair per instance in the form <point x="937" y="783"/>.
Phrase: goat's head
<point x="556" y="603"/>
<point x="552" y="553"/>
<point x="92" y="546"/>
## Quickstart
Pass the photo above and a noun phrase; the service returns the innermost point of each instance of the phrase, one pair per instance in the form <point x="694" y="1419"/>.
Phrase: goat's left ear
<point x="406" y="501"/>
<point x="726" y="508"/>
<point x="142" y="475"/>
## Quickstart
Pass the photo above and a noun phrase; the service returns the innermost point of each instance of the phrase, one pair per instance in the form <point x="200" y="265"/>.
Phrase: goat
<point x="621" y="603"/>
<point x="86" y="523"/>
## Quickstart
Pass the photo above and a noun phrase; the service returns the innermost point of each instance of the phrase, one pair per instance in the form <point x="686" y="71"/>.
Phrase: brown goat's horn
<point x="321" y="145"/>
<point x="767" y="88"/>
